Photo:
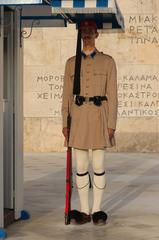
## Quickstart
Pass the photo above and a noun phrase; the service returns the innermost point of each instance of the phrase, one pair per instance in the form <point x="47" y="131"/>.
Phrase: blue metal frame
<point x="56" y="3"/>
<point x="78" y="3"/>
<point x="102" y="3"/>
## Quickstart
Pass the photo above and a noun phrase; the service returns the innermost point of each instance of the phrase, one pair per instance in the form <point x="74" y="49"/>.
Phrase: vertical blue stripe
<point x="102" y="3"/>
<point x="78" y="3"/>
<point x="56" y="3"/>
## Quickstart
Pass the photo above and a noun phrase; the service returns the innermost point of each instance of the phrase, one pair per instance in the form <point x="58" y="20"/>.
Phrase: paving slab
<point x="131" y="199"/>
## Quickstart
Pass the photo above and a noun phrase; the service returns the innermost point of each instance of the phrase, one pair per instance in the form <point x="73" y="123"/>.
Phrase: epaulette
<point x="107" y="55"/>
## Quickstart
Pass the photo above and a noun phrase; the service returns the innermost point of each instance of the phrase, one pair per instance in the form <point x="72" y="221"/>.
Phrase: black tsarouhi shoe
<point x="77" y="218"/>
<point x="99" y="218"/>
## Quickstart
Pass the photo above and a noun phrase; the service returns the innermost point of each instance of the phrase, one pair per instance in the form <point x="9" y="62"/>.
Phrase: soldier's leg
<point x="82" y="177"/>
<point x="99" y="179"/>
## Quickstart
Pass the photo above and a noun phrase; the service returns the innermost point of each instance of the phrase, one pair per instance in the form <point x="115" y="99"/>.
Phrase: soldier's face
<point x="88" y="34"/>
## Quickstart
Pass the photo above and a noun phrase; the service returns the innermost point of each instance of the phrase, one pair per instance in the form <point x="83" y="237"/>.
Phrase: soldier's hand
<point x="65" y="132"/>
<point x="111" y="133"/>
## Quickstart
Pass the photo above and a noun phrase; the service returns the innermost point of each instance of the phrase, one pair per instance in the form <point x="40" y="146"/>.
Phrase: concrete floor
<point x="131" y="199"/>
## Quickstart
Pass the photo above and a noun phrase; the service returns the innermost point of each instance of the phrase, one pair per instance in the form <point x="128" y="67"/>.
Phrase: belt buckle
<point x="86" y="99"/>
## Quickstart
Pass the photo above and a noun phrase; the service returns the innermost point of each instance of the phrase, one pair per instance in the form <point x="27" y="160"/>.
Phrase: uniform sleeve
<point x="66" y="96"/>
<point x="112" y="94"/>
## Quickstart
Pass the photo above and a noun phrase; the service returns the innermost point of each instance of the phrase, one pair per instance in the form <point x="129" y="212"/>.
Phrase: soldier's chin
<point x="86" y="39"/>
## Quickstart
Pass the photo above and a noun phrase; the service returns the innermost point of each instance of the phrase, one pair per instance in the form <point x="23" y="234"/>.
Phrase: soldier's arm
<point x="112" y="94"/>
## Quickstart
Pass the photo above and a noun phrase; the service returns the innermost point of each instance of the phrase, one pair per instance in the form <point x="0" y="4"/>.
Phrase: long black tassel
<point x="76" y="86"/>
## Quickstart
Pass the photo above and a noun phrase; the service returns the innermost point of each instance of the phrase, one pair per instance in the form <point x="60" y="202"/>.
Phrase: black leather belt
<point x="79" y="100"/>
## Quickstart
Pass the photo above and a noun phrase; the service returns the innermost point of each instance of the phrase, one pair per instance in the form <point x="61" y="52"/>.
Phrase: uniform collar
<point x="92" y="54"/>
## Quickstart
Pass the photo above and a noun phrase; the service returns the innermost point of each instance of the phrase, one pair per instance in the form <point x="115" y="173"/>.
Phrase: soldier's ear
<point x="97" y="34"/>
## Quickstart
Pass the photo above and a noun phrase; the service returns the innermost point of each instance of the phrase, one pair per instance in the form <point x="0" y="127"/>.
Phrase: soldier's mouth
<point x="86" y="37"/>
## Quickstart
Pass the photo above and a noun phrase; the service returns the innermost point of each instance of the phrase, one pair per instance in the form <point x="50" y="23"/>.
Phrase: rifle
<point x="76" y="90"/>
<point x="68" y="179"/>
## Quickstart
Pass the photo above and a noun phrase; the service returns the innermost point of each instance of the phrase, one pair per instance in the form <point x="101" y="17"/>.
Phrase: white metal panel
<point x="17" y="2"/>
<point x="111" y="4"/>
<point x="82" y="10"/>
<point x="18" y="138"/>
<point x="8" y="109"/>
<point x="67" y="4"/>
<point x="90" y="4"/>
<point x="1" y="123"/>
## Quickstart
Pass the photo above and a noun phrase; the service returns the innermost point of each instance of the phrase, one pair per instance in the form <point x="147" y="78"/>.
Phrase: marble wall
<point x="136" y="52"/>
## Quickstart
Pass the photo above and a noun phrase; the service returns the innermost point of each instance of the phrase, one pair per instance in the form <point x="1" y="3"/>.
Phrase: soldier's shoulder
<point x="105" y="55"/>
<point x="71" y="59"/>
<point x="108" y="58"/>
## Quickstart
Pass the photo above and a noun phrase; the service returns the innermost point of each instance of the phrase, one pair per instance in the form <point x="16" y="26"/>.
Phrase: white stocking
<point x="82" y="177"/>
<point x="99" y="179"/>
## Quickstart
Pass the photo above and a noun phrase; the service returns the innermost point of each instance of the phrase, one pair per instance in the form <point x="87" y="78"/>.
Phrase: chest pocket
<point x="100" y="78"/>
<point x="99" y="73"/>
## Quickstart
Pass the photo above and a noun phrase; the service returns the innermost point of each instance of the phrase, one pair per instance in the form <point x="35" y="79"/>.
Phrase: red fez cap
<point x="88" y="23"/>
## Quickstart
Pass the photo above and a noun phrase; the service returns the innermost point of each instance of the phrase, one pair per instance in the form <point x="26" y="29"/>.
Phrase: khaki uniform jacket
<point x="90" y="123"/>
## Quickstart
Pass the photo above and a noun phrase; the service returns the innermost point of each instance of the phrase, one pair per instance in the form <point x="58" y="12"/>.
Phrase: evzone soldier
<point x="90" y="98"/>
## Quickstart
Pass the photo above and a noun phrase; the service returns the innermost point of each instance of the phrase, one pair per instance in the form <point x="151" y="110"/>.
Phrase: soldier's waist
<point x="79" y="100"/>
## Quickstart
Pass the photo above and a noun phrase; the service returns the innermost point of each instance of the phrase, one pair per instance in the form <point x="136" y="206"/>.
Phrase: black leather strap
<point x="81" y="174"/>
<point x="99" y="174"/>
<point x="102" y="98"/>
<point x="79" y="100"/>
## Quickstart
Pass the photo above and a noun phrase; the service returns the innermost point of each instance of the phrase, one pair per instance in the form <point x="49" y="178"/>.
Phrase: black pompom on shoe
<point x="77" y="218"/>
<point x="99" y="218"/>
